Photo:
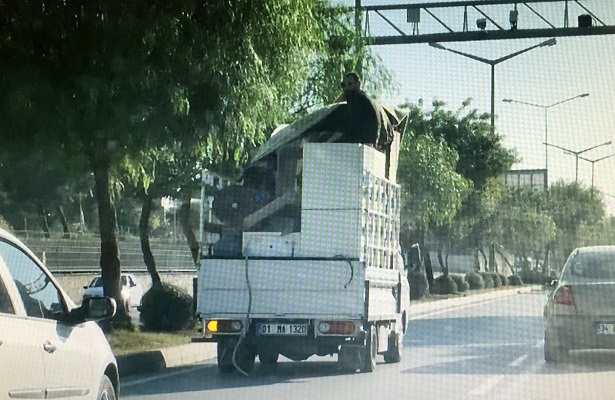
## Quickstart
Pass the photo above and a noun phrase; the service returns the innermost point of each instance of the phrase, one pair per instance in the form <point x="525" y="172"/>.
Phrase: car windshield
<point x="593" y="267"/>
<point x="97" y="282"/>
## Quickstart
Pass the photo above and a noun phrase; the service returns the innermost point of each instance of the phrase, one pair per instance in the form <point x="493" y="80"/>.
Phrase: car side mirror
<point x="93" y="309"/>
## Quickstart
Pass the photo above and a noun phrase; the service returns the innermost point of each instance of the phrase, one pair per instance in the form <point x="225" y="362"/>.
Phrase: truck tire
<point x="368" y="359"/>
<point x="393" y="354"/>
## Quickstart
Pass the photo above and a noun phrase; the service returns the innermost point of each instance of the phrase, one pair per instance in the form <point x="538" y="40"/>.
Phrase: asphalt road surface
<point x="491" y="350"/>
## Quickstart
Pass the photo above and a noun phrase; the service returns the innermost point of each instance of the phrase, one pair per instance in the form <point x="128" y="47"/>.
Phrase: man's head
<point x="351" y="82"/>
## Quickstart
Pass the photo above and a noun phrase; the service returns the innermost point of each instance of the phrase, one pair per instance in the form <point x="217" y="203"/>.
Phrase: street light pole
<point x="577" y="154"/>
<point x="593" y="163"/>
<point x="493" y="63"/>
<point x="546" y="108"/>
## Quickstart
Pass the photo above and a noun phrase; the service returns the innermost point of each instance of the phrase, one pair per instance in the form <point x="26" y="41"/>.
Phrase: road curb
<point x="193" y="353"/>
<point x="417" y="310"/>
<point x="159" y="360"/>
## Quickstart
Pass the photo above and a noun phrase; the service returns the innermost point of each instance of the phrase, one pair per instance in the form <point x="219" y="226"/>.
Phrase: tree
<point x="39" y="192"/>
<point x="573" y="207"/>
<point x="432" y="190"/>
<point x="522" y="226"/>
<point x="108" y="80"/>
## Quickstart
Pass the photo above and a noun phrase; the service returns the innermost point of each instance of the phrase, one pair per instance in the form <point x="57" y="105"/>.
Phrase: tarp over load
<point x="374" y="125"/>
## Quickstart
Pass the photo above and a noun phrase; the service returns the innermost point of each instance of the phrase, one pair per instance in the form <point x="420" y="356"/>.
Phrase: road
<point x="491" y="350"/>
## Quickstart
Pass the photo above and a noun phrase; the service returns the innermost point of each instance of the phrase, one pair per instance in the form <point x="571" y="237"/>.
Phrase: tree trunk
<point x="148" y="257"/>
<point x="441" y="261"/>
<point x="428" y="268"/>
<point x="64" y="223"/>
<point x="45" y="220"/>
<point x="485" y="259"/>
<point x="184" y="221"/>
<point x="426" y="258"/>
<point x="512" y="270"/>
<point x="546" y="261"/>
<point x="109" y="248"/>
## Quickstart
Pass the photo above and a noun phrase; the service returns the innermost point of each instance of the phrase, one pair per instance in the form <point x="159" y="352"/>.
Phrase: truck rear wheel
<point x="370" y="352"/>
<point x="393" y="354"/>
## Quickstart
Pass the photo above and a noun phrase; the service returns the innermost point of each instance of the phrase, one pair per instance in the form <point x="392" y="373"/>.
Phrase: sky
<point x="546" y="75"/>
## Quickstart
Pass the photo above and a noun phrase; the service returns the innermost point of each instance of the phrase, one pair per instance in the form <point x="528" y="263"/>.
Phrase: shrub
<point x="534" y="276"/>
<point x="165" y="308"/>
<point x="515" y="280"/>
<point x="496" y="279"/>
<point x="462" y="285"/>
<point x="444" y="285"/>
<point x="418" y="284"/>
<point x="487" y="279"/>
<point x="475" y="280"/>
<point x="503" y="279"/>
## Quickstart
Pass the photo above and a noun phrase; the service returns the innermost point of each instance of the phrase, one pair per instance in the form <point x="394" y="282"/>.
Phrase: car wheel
<point x="554" y="354"/>
<point x="370" y="352"/>
<point x="393" y="354"/>
<point x="106" y="391"/>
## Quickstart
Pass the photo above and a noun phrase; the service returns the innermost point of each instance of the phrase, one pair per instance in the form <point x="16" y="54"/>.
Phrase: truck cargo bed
<point x="281" y="287"/>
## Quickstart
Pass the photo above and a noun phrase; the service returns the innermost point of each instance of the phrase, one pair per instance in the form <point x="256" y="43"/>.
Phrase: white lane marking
<point x="475" y="345"/>
<point x="160" y="376"/>
<point x="519" y="361"/>
<point x="486" y="386"/>
<point x="540" y="343"/>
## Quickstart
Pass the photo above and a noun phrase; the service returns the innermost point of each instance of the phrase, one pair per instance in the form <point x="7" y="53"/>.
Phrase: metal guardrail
<point x="83" y="256"/>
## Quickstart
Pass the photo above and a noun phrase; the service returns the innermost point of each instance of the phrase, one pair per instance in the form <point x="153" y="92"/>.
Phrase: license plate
<point x="281" y="329"/>
<point x="605" y="329"/>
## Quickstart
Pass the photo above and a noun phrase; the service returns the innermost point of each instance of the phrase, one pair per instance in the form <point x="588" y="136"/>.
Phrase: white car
<point x="49" y="348"/>
<point x="131" y="290"/>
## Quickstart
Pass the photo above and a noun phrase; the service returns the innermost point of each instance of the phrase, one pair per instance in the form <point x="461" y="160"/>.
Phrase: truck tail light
<point x="564" y="296"/>
<point x="336" y="327"/>
<point x="224" y="326"/>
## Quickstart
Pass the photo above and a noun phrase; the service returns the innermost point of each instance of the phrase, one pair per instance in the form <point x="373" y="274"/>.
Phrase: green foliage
<point x="515" y="280"/>
<point x="481" y="152"/>
<point x="434" y="191"/>
<point x="521" y="224"/>
<point x="166" y="308"/>
<point x="503" y="279"/>
<point x="495" y="278"/>
<point x="462" y="285"/>
<point x="573" y="207"/>
<point x="599" y="234"/>
<point x="475" y="280"/>
<point x="533" y="276"/>
<point x="444" y="285"/>
<point x="487" y="279"/>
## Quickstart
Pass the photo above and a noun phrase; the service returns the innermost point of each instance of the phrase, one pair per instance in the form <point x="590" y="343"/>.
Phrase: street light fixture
<point x="593" y="163"/>
<point x="493" y="63"/>
<point x="577" y="154"/>
<point x="546" y="108"/>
